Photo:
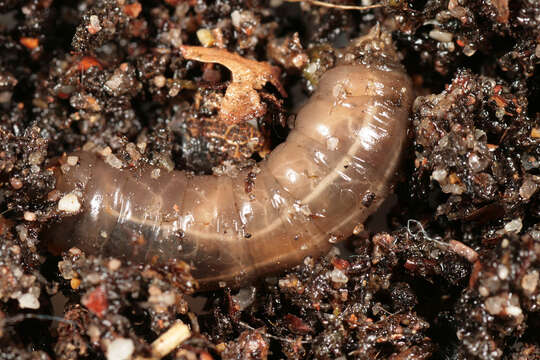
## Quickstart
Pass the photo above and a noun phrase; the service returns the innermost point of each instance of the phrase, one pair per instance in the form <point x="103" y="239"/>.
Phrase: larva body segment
<point x="312" y="190"/>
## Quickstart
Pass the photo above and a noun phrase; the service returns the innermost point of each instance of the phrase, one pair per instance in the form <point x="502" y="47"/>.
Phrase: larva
<point x="334" y="169"/>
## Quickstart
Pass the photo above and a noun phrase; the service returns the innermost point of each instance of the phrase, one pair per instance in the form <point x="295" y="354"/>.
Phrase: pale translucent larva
<point x="336" y="166"/>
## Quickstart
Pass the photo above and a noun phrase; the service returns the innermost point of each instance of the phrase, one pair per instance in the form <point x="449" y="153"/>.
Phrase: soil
<point x="454" y="275"/>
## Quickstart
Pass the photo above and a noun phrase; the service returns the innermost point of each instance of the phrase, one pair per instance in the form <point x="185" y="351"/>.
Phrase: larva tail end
<point x="73" y="172"/>
<point x="375" y="49"/>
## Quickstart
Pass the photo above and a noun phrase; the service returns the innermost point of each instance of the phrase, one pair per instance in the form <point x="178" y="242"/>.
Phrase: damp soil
<point x="454" y="273"/>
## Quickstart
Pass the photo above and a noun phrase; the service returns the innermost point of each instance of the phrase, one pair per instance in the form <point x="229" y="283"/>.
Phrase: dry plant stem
<point x="335" y="6"/>
<point x="169" y="340"/>
<point x="242" y="101"/>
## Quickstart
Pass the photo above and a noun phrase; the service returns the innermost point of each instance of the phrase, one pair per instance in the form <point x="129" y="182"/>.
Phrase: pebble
<point x="120" y="349"/>
<point x="236" y="17"/>
<point x="69" y="203"/>
<point x="503" y="272"/>
<point x="205" y="37"/>
<point x="113" y="161"/>
<point x="72" y="160"/>
<point x="439" y="175"/>
<point x="528" y="189"/>
<point x="114" y="82"/>
<point x="338" y="276"/>
<point x="35" y="158"/>
<point x="114" y="264"/>
<point x="514" y="226"/>
<point x="494" y="304"/>
<point x="28" y="301"/>
<point x="160" y="81"/>
<point x="29" y="216"/>
<point x="94" y="27"/>
<point x="529" y="282"/>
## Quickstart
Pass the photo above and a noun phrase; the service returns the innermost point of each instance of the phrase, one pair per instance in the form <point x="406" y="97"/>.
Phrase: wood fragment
<point x="168" y="341"/>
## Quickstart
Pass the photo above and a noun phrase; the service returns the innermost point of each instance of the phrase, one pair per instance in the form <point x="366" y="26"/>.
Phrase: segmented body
<point x="335" y="167"/>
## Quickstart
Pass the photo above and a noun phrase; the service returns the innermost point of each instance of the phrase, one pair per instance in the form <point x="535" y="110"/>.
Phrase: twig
<point x="169" y="340"/>
<point x="341" y="7"/>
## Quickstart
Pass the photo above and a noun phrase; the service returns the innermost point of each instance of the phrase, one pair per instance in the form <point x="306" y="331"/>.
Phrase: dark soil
<point x="456" y="275"/>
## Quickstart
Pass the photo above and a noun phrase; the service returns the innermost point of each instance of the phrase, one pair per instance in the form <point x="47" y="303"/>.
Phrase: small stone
<point x="114" y="82"/>
<point x="469" y="50"/>
<point x="514" y="311"/>
<point x="75" y="251"/>
<point x="94" y="333"/>
<point x="456" y="189"/>
<point x="35" y="158"/>
<point x="94" y="27"/>
<point x="514" y="226"/>
<point x="160" y="81"/>
<point x="72" y="160"/>
<point x="358" y="229"/>
<point x="113" y="161"/>
<point x="503" y="272"/>
<point x="114" y="264"/>
<point x="527" y="189"/>
<point x="205" y="37"/>
<point x="338" y="276"/>
<point x="529" y="282"/>
<point x="166" y="162"/>
<point x="29" y="216"/>
<point x="132" y="151"/>
<point x="69" y="203"/>
<point x="236" y="18"/>
<point x="483" y="291"/>
<point x="75" y="283"/>
<point x="477" y="163"/>
<point x="494" y="304"/>
<point x="22" y="231"/>
<point x="439" y="175"/>
<point x="105" y="151"/>
<point x="142" y="146"/>
<point x="28" y="301"/>
<point x="120" y="349"/>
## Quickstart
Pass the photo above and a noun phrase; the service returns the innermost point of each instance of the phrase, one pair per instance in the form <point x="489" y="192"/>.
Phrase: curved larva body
<point x="310" y="191"/>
